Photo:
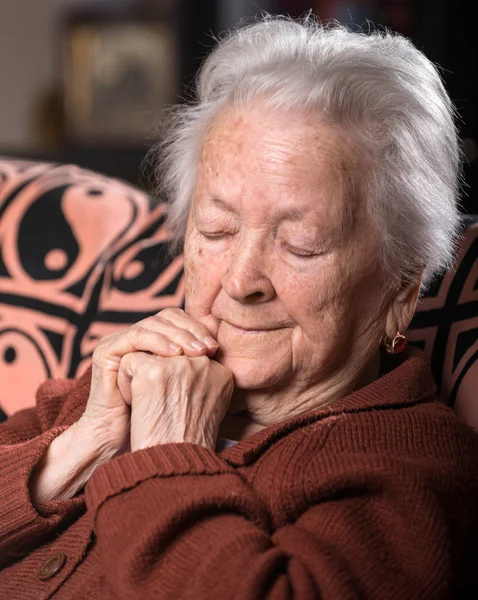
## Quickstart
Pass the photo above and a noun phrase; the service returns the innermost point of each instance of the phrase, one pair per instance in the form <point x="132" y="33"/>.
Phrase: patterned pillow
<point x="81" y="255"/>
<point x="445" y="326"/>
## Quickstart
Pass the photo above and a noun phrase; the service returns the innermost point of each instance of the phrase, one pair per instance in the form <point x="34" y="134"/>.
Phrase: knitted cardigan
<point x="374" y="496"/>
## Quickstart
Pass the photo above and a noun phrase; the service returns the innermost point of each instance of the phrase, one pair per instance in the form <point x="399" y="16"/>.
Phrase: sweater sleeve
<point x="22" y="525"/>
<point x="176" y="521"/>
<point x="24" y="438"/>
<point x="29" y="423"/>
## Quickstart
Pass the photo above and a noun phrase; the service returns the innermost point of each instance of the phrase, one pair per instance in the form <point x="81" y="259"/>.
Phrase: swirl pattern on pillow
<point x="445" y="326"/>
<point x="81" y="255"/>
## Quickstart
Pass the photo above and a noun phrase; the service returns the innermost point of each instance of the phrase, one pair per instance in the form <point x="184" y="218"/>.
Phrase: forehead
<point x="277" y="161"/>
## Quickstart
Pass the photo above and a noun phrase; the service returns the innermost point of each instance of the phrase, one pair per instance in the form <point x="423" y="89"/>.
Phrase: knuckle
<point x="136" y="333"/>
<point x="181" y="365"/>
<point x="135" y="330"/>
<point x="201" y="363"/>
<point x="129" y="357"/>
<point x="129" y="363"/>
<point x="142" y="322"/>
<point x="144" y="365"/>
<point x="151" y="373"/>
<point x="169" y="312"/>
<point x="150" y="322"/>
<point x="161" y="321"/>
<point x="180" y="361"/>
<point x="99" y="351"/>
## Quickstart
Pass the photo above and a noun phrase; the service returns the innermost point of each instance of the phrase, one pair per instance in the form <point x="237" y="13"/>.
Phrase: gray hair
<point x="378" y="87"/>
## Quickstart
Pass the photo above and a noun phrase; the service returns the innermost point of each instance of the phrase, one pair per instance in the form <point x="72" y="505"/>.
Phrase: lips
<point x="249" y="329"/>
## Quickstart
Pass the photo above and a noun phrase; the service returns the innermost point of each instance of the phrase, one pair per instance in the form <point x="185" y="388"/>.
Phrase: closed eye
<point x="217" y="235"/>
<point x="300" y="252"/>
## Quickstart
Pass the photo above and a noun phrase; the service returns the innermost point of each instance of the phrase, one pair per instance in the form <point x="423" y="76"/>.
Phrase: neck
<point x="253" y="410"/>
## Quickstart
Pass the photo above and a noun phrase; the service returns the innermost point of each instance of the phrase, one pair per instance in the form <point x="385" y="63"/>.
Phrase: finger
<point x="200" y="330"/>
<point x="211" y="323"/>
<point x="107" y="356"/>
<point x="192" y="336"/>
<point x="127" y="369"/>
<point x="148" y="371"/>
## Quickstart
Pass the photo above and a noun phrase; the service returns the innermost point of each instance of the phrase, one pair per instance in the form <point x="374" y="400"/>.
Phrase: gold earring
<point x="396" y="345"/>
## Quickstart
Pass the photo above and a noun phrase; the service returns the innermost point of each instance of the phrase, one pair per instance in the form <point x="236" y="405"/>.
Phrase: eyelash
<point x="215" y="236"/>
<point x="299" y="253"/>
<point x="302" y="254"/>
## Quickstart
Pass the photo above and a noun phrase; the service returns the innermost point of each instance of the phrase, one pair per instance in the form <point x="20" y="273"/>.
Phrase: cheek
<point x="202" y="275"/>
<point x="319" y="301"/>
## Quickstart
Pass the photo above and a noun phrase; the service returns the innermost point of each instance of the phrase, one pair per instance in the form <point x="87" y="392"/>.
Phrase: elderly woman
<point x="261" y="444"/>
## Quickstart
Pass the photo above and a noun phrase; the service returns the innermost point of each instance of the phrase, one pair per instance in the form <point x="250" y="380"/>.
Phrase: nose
<point x="246" y="279"/>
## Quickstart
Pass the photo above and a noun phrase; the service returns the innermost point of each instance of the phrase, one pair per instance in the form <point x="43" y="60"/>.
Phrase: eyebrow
<point x="289" y="214"/>
<point x="221" y="204"/>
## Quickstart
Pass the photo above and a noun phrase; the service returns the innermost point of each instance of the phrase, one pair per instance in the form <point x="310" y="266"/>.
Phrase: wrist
<point x="68" y="463"/>
<point x="169" y="437"/>
<point x="100" y="444"/>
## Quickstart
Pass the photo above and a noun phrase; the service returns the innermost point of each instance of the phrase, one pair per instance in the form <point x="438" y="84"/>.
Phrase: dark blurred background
<point x="83" y="81"/>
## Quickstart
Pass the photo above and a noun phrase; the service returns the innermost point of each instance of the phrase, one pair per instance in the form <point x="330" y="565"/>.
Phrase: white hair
<point x="378" y="87"/>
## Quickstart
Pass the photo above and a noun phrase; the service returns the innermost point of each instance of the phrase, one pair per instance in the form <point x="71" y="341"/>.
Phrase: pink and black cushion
<point x="445" y="326"/>
<point x="83" y="255"/>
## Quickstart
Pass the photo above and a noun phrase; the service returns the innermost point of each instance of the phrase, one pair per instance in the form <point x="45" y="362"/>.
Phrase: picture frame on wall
<point x="117" y="75"/>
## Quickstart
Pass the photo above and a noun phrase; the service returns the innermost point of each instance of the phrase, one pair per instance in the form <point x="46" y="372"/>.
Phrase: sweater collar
<point x="409" y="383"/>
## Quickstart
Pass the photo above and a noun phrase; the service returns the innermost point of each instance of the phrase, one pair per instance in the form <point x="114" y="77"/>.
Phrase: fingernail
<point x="175" y="347"/>
<point x="197" y="345"/>
<point x="210" y="342"/>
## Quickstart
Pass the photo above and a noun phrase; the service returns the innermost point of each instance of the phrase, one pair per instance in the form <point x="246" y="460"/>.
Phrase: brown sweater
<point x="375" y="496"/>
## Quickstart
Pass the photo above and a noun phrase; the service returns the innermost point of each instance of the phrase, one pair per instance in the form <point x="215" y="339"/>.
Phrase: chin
<point x="253" y="374"/>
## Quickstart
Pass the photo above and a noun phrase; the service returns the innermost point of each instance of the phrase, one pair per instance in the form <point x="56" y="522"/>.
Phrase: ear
<point x="402" y="308"/>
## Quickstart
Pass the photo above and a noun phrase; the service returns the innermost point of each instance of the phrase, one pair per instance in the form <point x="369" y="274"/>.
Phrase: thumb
<point x="125" y="376"/>
<point x="211" y="323"/>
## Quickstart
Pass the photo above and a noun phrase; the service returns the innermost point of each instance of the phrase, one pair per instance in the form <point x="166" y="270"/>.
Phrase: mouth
<point x="250" y="330"/>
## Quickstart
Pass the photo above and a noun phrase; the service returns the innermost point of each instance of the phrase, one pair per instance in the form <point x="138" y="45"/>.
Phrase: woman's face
<point x="280" y="258"/>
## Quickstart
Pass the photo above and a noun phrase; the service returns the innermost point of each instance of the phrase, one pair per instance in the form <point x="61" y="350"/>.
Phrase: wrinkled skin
<point x="279" y="242"/>
<point x="282" y="275"/>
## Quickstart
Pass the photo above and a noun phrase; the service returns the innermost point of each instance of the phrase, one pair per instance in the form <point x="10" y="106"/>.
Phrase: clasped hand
<point x="156" y="383"/>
